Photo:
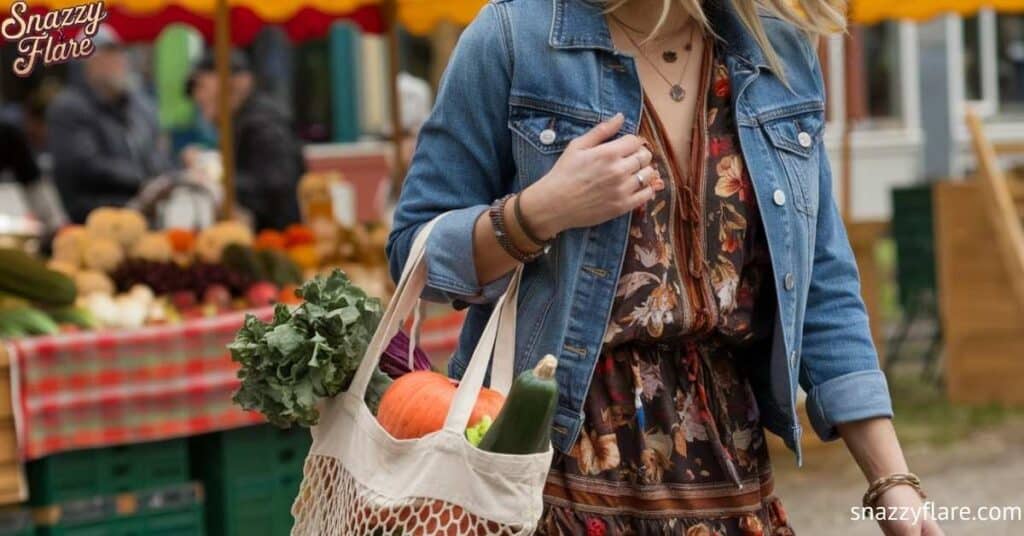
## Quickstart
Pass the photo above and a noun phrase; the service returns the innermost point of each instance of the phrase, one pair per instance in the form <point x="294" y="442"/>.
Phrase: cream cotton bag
<point x="360" y="481"/>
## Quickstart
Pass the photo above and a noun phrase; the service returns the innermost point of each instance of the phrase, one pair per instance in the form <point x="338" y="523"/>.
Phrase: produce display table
<point x="85" y="390"/>
<point x="95" y="389"/>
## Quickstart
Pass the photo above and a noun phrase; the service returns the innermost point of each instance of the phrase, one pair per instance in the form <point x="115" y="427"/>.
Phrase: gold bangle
<point x="880" y="486"/>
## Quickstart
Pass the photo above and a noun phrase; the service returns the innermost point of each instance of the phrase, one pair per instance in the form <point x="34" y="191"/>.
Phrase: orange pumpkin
<point x="182" y="240"/>
<point x="287" y="295"/>
<point x="297" y="234"/>
<point x="270" y="239"/>
<point x="417" y="404"/>
<point x="306" y="256"/>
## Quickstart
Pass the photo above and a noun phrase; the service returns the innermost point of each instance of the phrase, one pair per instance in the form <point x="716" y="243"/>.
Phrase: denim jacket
<point x="527" y="68"/>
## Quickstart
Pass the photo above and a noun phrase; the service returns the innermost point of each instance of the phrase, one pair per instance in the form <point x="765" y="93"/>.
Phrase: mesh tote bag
<point x="360" y="481"/>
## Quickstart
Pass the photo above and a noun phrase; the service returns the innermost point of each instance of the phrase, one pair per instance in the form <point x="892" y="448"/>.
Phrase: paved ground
<point x="985" y="469"/>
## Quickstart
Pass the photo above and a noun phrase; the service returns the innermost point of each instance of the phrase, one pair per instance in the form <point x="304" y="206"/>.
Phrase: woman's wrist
<point x="545" y="221"/>
<point x="515" y="231"/>
<point x="879" y="488"/>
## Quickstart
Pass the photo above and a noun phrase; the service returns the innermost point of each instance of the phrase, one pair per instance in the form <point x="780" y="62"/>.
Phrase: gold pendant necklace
<point x="676" y="91"/>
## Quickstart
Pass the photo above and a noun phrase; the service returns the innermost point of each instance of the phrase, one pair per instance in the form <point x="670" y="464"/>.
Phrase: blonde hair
<point x="815" y="17"/>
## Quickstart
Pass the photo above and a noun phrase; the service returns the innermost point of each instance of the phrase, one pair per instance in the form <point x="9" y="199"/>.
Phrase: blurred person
<point x="17" y="159"/>
<point x="24" y="165"/>
<point x="104" y="136"/>
<point x="268" y="155"/>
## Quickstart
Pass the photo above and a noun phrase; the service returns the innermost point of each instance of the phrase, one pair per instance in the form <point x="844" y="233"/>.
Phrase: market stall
<point x="117" y="386"/>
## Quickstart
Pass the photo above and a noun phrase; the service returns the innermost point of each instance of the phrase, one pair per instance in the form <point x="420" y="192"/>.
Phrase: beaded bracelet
<point x="880" y="486"/>
<point x="497" y="214"/>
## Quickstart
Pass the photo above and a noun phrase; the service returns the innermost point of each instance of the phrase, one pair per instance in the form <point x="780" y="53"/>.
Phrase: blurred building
<point x="904" y="85"/>
<point x="907" y="86"/>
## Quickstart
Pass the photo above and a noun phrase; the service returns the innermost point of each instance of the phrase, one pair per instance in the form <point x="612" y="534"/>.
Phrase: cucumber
<point x="29" y="321"/>
<point x="523" y="425"/>
<point x="76" y="316"/>
<point x="28" y="278"/>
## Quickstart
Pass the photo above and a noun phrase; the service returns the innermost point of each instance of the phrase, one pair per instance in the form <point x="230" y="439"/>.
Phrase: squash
<point x="102" y="254"/>
<point x="270" y="239"/>
<point x="524" y="424"/>
<point x="182" y="240"/>
<point x="244" y="260"/>
<point x="279" y="268"/>
<point x="417" y="404"/>
<point x="152" y="247"/>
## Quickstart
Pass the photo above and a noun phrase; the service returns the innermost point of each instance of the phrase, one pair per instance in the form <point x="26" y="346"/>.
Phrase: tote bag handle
<point x="500" y="328"/>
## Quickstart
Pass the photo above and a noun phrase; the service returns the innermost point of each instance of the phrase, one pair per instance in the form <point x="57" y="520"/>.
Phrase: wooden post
<point x="394" y="59"/>
<point x="222" y="44"/>
<point x="853" y="94"/>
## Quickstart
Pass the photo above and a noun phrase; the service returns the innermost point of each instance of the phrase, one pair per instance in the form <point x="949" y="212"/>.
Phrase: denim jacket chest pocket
<point x="541" y="133"/>
<point x="796" y="134"/>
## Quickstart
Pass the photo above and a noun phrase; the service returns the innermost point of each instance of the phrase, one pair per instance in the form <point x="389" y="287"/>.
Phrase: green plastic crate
<point x="250" y="450"/>
<point x="187" y="522"/>
<point x="107" y="471"/>
<point x="251" y="476"/>
<point x="913" y="231"/>
<point x="16" y="522"/>
<point x="168" y="511"/>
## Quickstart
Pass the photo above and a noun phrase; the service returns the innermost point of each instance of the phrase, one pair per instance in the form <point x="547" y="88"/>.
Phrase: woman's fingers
<point x="639" y="197"/>
<point x="621" y="147"/>
<point x="597" y="135"/>
<point x="641" y="158"/>
<point x="645" y="177"/>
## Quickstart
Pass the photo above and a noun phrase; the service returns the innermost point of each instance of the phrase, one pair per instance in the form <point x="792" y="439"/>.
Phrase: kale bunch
<point x="309" y="353"/>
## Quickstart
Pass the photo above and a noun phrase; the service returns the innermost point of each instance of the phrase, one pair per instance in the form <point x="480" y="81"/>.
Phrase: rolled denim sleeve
<point x="462" y="163"/>
<point x="839" y="370"/>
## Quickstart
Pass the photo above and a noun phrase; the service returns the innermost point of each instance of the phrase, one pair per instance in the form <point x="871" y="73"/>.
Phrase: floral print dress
<point x="671" y="441"/>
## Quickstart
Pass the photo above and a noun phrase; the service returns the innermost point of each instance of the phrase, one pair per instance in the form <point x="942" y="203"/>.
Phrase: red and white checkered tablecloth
<point x="93" y="389"/>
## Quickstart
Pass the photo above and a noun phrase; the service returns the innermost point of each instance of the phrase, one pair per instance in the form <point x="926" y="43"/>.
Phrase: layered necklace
<point x="676" y="90"/>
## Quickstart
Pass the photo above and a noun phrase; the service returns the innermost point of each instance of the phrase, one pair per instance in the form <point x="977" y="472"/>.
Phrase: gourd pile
<point x="127" y="275"/>
<point x="115" y="272"/>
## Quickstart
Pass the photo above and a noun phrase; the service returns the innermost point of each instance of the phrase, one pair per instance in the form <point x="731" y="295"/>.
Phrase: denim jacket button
<point x="547" y="136"/>
<point x="790" y="281"/>
<point x="804" y="139"/>
<point x="779" y="197"/>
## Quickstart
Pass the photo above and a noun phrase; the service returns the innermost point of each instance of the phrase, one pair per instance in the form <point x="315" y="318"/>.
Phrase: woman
<point x="607" y="146"/>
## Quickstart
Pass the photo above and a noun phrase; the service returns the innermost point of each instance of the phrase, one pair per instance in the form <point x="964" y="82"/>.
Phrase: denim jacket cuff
<point x="850" y="397"/>
<point x="450" y="268"/>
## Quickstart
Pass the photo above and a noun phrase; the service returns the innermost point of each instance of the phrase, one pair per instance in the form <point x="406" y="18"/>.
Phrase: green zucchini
<point x="28" y="278"/>
<point x="279" y="268"/>
<point x="523" y="425"/>
<point x="76" y="316"/>
<point x="243" y="260"/>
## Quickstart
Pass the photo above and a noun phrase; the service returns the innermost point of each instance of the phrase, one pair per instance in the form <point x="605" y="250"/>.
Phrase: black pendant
<point x="677" y="93"/>
<point x="669" y="56"/>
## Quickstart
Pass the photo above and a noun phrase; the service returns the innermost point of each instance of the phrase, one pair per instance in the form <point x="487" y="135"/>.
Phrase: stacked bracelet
<point x="497" y="214"/>
<point x="880" y="486"/>
<point x="525" y="225"/>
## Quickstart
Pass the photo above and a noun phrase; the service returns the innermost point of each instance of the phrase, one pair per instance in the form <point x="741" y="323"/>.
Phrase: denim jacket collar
<point x="581" y="24"/>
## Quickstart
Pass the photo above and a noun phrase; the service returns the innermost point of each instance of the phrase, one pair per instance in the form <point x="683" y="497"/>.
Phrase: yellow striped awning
<point x="420" y="17"/>
<point x="872" y="11"/>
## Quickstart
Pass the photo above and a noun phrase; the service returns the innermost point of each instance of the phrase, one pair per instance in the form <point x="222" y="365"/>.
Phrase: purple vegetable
<point x="395" y="360"/>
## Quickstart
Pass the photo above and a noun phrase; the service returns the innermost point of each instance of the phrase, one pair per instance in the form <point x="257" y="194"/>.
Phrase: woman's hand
<point x="594" y="181"/>
<point x="898" y="501"/>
